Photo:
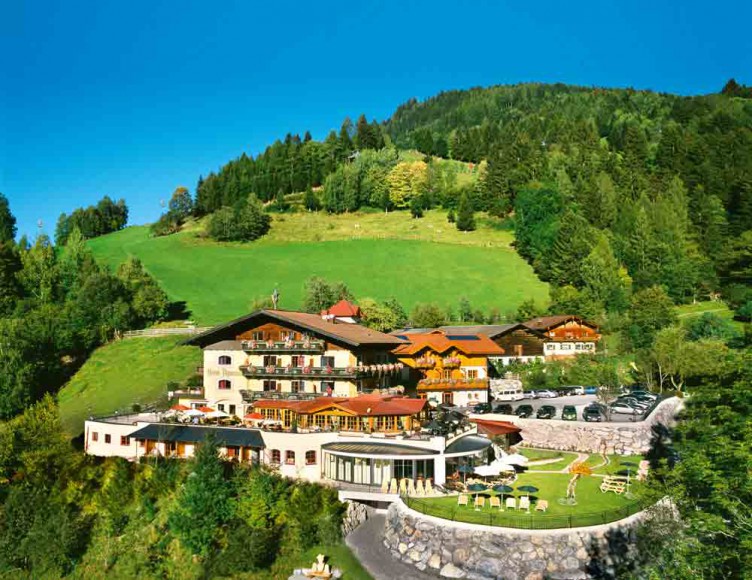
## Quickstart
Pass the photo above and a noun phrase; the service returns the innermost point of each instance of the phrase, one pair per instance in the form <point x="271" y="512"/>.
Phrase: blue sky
<point x="132" y="99"/>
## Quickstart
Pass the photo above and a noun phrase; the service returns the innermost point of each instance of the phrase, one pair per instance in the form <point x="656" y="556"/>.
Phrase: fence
<point x="509" y="519"/>
<point x="150" y="332"/>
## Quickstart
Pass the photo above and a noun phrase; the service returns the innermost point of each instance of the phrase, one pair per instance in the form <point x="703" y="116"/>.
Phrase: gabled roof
<point x="343" y="309"/>
<point x="544" y="323"/>
<point x="489" y="330"/>
<point x="348" y="334"/>
<point x="225" y="345"/>
<point x="439" y="342"/>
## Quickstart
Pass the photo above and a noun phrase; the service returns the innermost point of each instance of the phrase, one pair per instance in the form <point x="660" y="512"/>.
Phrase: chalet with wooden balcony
<point x="448" y="368"/>
<point x="565" y="335"/>
<point x="278" y="354"/>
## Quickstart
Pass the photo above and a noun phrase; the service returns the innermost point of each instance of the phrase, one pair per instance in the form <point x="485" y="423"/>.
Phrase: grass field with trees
<point x="219" y="281"/>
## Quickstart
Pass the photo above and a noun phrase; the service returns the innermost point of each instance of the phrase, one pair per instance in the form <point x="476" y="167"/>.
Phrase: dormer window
<point x="225" y="360"/>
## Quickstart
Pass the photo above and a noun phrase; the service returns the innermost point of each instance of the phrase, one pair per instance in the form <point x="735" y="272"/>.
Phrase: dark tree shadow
<point x="178" y="311"/>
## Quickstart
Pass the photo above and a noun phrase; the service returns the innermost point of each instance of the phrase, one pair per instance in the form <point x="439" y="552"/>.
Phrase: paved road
<point x="367" y="543"/>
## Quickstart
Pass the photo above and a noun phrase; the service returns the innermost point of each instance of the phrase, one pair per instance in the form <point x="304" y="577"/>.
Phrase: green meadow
<point x="123" y="373"/>
<point x="387" y="255"/>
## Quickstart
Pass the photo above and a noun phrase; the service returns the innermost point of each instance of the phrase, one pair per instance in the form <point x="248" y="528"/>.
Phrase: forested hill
<point x="648" y="188"/>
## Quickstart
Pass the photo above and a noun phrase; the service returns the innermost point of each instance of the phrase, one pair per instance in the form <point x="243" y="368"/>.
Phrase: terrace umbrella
<point x="528" y="489"/>
<point x="501" y="489"/>
<point x="216" y="415"/>
<point x="194" y="413"/>
<point x="515" y="459"/>
<point x="206" y="409"/>
<point x="179" y="408"/>
<point x="476" y="488"/>
<point x="465" y="469"/>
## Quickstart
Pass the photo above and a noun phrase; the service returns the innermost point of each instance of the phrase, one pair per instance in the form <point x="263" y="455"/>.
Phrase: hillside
<point x="377" y="255"/>
<point x="123" y="373"/>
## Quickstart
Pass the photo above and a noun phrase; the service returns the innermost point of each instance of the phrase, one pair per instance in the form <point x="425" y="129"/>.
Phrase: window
<point x="276" y="455"/>
<point x="224" y="384"/>
<point x="287" y="335"/>
<point x="297" y="386"/>
<point x="94" y="436"/>
<point x="232" y="410"/>
<point x="310" y="458"/>
<point x="327" y="361"/>
<point x="326" y="385"/>
<point x="298" y="361"/>
<point x="289" y="457"/>
<point x="107" y="438"/>
<point x="472" y="374"/>
<point x="446" y="374"/>
<point x="270" y="385"/>
<point x="221" y="407"/>
<point x="270" y="360"/>
<point x="257" y="335"/>
<point x="517" y="350"/>
<point x="225" y="360"/>
<point x="565" y="346"/>
<point x="446" y="398"/>
<point x="125" y="440"/>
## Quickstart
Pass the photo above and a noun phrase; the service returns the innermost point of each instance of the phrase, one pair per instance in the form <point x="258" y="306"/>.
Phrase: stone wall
<point x="623" y="438"/>
<point x="459" y="550"/>
<point x="356" y="514"/>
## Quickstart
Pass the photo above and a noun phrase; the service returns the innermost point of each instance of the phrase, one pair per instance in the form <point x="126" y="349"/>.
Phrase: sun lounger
<point x="541" y="505"/>
<point x="403" y="486"/>
<point x="511" y="503"/>
<point x="393" y="486"/>
<point x="495" y="501"/>
<point x="385" y="486"/>
<point x="429" y="487"/>
<point x="525" y="503"/>
<point x="480" y="502"/>
<point x="410" y="487"/>
<point x="419" y="488"/>
<point x="462" y="499"/>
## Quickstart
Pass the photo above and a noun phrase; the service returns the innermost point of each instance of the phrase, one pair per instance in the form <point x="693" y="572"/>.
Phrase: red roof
<point x="365" y="405"/>
<point x="179" y="408"/>
<point x="488" y="427"/>
<point x="254" y="416"/>
<point x="206" y="409"/>
<point x="343" y="309"/>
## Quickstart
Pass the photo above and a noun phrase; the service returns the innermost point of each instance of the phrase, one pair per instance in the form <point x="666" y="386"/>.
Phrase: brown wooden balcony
<point x="264" y="372"/>
<point x="284" y="346"/>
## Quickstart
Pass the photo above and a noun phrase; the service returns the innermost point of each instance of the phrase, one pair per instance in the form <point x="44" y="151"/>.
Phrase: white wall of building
<point x="559" y="349"/>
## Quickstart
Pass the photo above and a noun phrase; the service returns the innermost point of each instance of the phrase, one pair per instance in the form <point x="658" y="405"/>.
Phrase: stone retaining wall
<point x="459" y="550"/>
<point x="356" y="514"/>
<point x="621" y="438"/>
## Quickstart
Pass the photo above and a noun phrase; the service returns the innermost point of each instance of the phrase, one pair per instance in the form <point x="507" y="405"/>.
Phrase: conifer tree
<point x="7" y="221"/>
<point x="465" y="215"/>
<point x="311" y="200"/>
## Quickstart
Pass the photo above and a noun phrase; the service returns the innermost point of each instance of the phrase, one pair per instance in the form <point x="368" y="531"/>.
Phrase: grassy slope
<point x="122" y="373"/>
<point x="425" y="260"/>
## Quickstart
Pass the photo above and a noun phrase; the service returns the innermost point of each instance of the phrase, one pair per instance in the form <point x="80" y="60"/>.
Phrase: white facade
<point x="573" y="348"/>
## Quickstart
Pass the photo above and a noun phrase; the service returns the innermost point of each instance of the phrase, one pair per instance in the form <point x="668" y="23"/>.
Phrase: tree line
<point x="105" y="217"/>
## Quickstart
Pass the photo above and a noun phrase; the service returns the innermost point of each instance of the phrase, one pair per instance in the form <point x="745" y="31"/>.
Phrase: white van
<point x="509" y="394"/>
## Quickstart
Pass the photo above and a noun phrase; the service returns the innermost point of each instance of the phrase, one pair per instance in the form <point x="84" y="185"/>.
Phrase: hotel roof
<point x="439" y="342"/>
<point x="364" y="405"/>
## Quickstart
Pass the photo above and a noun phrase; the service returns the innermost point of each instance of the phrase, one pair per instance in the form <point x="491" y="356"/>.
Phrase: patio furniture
<point x="525" y="503"/>
<point x="403" y="486"/>
<point x="429" y="487"/>
<point x="511" y="503"/>
<point x="393" y="486"/>
<point x="480" y="502"/>
<point x="495" y="501"/>
<point x="385" y="486"/>
<point x="462" y="499"/>
<point x="612" y="483"/>
<point x="541" y="505"/>
<point x="410" y="487"/>
<point x="419" y="490"/>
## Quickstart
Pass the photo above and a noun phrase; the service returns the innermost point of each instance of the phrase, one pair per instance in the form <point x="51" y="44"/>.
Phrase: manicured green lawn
<point x="122" y="373"/>
<point x="686" y="312"/>
<point x="591" y="506"/>
<point x="219" y="281"/>
<point x="563" y="457"/>
<point x="617" y="464"/>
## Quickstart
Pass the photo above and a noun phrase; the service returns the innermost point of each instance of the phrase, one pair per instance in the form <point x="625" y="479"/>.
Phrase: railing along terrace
<point x="250" y="396"/>
<point x="283" y="346"/>
<point x="290" y="371"/>
<point x="528" y="521"/>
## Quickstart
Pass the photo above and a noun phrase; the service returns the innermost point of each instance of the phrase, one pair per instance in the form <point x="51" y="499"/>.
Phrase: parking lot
<point x="579" y="402"/>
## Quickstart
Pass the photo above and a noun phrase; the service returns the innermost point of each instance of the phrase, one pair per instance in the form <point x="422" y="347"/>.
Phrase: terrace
<point x="309" y="372"/>
<point x="284" y="346"/>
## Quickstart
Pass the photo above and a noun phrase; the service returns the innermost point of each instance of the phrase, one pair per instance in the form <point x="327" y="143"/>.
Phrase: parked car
<point x="503" y="409"/>
<point x="624" y="408"/>
<point x="632" y="402"/>
<point x="591" y="390"/>
<point x="524" y="411"/>
<point x="643" y="395"/>
<point x="593" y="413"/>
<point x="569" y="413"/>
<point x="531" y="394"/>
<point x="570" y="390"/>
<point x="546" y="394"/>
<point x="578" y="391"/>
<point x="482" y="408"/>
<point x="546" y="412"/>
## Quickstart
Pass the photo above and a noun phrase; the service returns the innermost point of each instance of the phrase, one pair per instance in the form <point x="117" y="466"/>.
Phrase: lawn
<point x="563" y="457"/>
<point x="219" y="281"/>
<point x="338" y="556"/>
<point x="593" y="506"/>
<point x="122" y="373"/>
<point x="617" y="464"/>
<point x="687" y="312"/>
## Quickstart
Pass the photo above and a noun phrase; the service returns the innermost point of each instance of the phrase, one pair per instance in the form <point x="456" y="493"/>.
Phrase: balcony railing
<point x="301" y="372"/>
<point x="251" y="396"/>
<point x="452" y="384"/>
<point x="284" y="346"/>
<point x="195" y="393"/>
<point x="311" y="372"/>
